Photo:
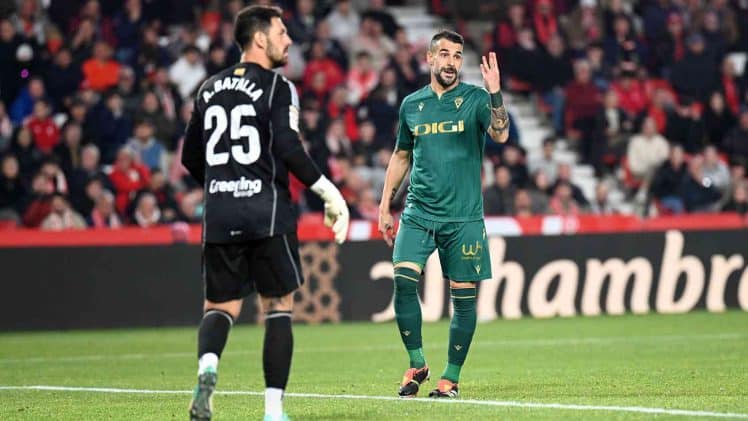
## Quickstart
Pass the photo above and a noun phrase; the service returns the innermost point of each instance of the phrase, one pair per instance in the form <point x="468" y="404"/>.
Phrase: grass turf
<point x="697" y="361"/>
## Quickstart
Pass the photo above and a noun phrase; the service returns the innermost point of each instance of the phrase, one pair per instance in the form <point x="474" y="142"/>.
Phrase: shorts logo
<point x="470" y="251"/>
<point x="458" y="347"/>
<point x="242" y="187"/>
<point x="406" y="333"/>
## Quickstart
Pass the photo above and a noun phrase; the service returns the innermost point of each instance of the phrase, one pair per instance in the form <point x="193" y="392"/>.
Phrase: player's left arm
<point x="498" y="128"/>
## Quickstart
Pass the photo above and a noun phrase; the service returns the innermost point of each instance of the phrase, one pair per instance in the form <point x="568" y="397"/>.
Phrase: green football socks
<point x="408" y="314"/>
<point x="460" y="331"/>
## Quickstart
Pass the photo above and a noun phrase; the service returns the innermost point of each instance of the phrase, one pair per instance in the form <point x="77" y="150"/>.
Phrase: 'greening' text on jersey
<point x="446" y="136"/>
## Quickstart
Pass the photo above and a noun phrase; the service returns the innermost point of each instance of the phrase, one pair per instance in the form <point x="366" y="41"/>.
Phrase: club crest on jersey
<point x="458" y="102"/>
<point x="449" y="126"/>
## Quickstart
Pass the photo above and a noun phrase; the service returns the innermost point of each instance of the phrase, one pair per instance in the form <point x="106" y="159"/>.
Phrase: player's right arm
<point x="193" y="151"/>
<point x="396" y="170"/>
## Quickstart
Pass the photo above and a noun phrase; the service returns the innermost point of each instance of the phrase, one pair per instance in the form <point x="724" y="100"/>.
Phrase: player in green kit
<point x="441" y="134"/>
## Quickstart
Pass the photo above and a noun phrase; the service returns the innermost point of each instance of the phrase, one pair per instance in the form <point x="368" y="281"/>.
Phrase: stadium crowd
<point x="95" y="95"/>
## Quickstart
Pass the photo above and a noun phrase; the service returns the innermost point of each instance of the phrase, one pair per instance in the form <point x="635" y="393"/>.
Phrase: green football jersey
<point x="446" y="136"/>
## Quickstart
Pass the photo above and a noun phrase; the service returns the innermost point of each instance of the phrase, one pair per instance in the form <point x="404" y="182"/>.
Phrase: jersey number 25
<point x="238" y="131"/>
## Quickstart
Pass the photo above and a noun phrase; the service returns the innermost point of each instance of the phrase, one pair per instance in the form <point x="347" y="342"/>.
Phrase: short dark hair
<point x="451" y="36"/>
<point x="252" y="19"/>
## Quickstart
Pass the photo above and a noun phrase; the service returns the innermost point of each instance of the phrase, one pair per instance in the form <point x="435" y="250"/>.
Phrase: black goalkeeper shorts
<point x="270" y="266"/>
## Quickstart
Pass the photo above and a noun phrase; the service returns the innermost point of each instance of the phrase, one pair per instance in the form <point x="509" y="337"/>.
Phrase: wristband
<point x="496" y="99"/>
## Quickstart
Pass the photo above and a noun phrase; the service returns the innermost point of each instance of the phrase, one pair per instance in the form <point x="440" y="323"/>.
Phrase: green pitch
<point x="696" y="362"/>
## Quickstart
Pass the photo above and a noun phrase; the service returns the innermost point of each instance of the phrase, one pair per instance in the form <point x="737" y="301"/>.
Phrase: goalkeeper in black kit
<point x="241" y="143"/>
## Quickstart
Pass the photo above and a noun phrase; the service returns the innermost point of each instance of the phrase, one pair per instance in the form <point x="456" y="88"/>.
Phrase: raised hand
<point x="489" y="68"/>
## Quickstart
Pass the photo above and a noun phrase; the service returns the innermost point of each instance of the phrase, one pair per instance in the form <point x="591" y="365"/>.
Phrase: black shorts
<point x="270" y="266"/>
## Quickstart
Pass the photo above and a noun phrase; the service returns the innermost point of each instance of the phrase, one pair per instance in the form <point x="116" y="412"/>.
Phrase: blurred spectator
<point x="523" y="63"/>
<point x="582" y="104"/>
<point x="407" y="71"/>
<point x="622" y="44"/>
<point x="584" y="25"/>
<point x="564" y="177"/>
<point x="100" y="25"/>
<point x="128" y="24"/>
<point x="714" y="36"/>
<point x="39" y="203"/>
<point x="512" y="159"/>
<point x="164" y="196"/>
<point x="522" y="204"/>
<point x="695" y="75"/>
<point x="498" y="198"/>
<point x="685" y="126"/>
<point x="377" y="11"/>
<point x="544" y="21"/>
<point x="539" y="191"/>
<point x="12" y="189"/>
<point x="613" y="127"/>
<point x="6" y="128"/>
<point x="372" y="40"/>
<point x="101" y="72"/>
<point x="669" y="46"/>
<point x="152" y="54"/>
<point x="320" y="63"/>
<point x="168" y="102"/>
<point x="562" y="202"/>
<point x="10" y="77"/>
<point x="147" y="213"/>
<point x="23" y="106"/>
<point x="699" y="192"/>
<point x="646" y="151"/>
<point x="362" y="78"/>
<point x="667" y="181"/>
<point x="718" y="119"/>
<point x="188" y="71"/>
<point x="344" y="22"/>
<point x="103" y="215"/>
<point x="145" y="147"/>
<point x="23" y="148"/>
<point x="62" y="216"/>
<point x="332" y="47"/>
<point x="338" y="142"/>
<point x="151" y="111"/>
<point x="82" y="175"/>
<point x="738" y="200"/>
<point x="112" y="125"/>
<point x="127" y="177"/>
<point x="44" y="130"/>
<point x="600" y="205"/>
<point x="736" y="142"/>
<point x="715" y="169"/>
<point x="191" y="205"/>
<point x="216" y="59"/>
<point x="68" y="151"/>
<point x="730" y="85"/>
<point x="83" y="41"/>
<point x="547" y="162"/>
<point x="632" y="97"/>
<point x="301" y="22"/>
<point x="557" y="72"/>
<point x="63" y="78"/>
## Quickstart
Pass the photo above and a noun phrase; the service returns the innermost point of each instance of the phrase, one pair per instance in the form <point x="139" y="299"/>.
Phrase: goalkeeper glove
<point x="336" y="210"/>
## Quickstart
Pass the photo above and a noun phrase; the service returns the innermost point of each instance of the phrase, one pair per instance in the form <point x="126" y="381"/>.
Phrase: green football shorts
<point x="463" y="248"/>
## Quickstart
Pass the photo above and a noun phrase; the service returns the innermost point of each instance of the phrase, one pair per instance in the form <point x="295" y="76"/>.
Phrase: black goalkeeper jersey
<point x="244" y="123"/>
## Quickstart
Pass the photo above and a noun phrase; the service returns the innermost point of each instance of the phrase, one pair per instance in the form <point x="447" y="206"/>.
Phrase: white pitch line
<point x="602" y="340"/>
<point x="508" y="404"/>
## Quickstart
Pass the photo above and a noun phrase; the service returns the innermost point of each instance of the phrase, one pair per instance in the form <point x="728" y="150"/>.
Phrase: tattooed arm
<point x="396" y="170"/>
<point x="499" y="126"/>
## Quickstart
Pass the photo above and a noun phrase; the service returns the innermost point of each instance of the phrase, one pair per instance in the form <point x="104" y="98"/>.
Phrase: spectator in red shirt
<point x="562" y="202"/>
<point x="320" y="63"/>
<point x="582" y="103"/>
<point x="505" y="34"/>
<point x="544" y="21"/>
<point x="338" y="108"/>
<point x="128" y="176"/>
<point x="362" y="78"/>
<point x="631" y="95"/>
<point x="100" y="72"/>
<point x="44" y="130"/>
